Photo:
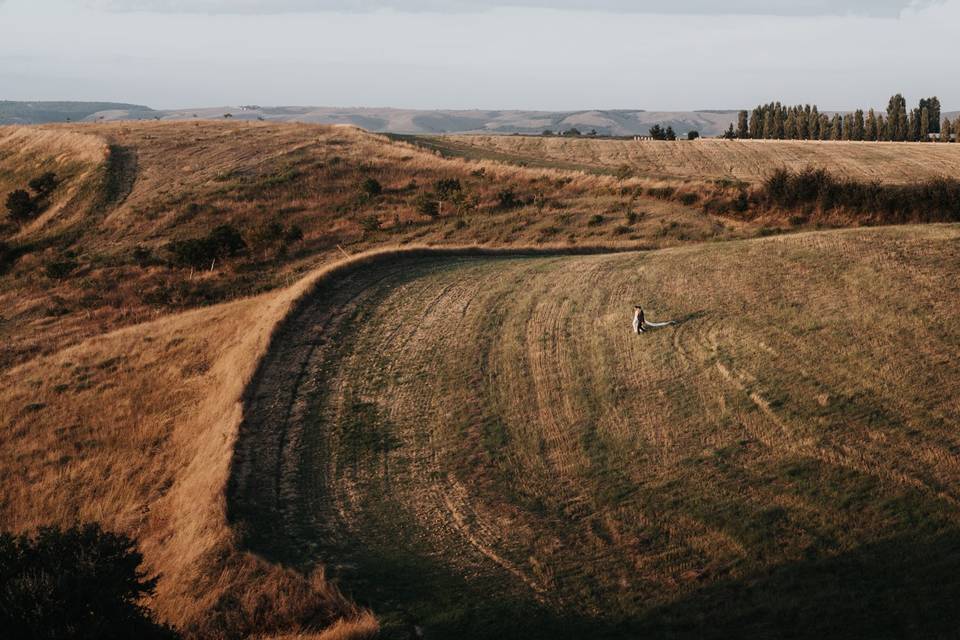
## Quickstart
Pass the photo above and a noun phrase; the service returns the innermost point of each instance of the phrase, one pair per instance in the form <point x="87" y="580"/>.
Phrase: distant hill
<point x="41" y="112"/>
<point x="613" y="122"/>
<point x="387" y="120"/>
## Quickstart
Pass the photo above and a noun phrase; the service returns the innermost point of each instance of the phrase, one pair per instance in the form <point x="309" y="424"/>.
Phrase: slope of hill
<point x="116" y="407"/>
<point x="487" y="450"/>
<point x="125" y="363"/>
<point x="749" y="160"/>
<point x="152" y="183"/>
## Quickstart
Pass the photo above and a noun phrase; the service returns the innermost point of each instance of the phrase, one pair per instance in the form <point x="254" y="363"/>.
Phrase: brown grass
<point x="121" y="384"/>
<point x="499" y="415"/>
<point x="747" y="160"/>
<point x="188" y="178"/>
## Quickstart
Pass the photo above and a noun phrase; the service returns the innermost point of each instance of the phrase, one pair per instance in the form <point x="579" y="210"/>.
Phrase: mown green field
<point x="480" y="446"/>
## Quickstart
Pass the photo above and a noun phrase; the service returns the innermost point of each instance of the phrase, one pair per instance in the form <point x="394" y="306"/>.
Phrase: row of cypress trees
<point x="775" y="121"/>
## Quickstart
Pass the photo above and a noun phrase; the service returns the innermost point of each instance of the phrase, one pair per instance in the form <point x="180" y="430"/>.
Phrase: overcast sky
<point x="491" y="54"/>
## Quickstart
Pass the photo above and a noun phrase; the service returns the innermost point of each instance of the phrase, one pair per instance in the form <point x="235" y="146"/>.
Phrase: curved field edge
<point x="772" y="453"/>
<point x="135" y="429"/>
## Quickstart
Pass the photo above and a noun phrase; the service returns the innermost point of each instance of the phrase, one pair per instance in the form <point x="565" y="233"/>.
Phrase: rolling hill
<point x="12" y="112"/>
<point x="487" y="450"/>
<point x="607" y="122"/>
<point x="453" y="427"/>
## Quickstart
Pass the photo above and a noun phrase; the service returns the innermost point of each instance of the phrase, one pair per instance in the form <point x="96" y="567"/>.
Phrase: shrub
<point x="934" y="199"/>
<point x="633" y="217"/>
<point x="61" y="269"/>
<point x="624" y="172"/>
<point x="293" y="235"/>
<point x="226" y="241"/>
<point x="595" y="220"/>
<point x="370" y="223"/>
<point x="223" y="242"/>
<point x="689" y="199"/>
<point x="427" y="204"/>
<point x="693" y="135"/>
<point x="21" y="206"/>
<point x="142" y="256"/>
<point x="446" y="188"/>
<point x="8" y="255"/>
<point x="507" y="199"/>
<point x="663" y="193"/>
<point x="45" y="184"/>
<point x="76" y="583"/>
<point x="371" y="188"/>
<point x="621" y="229"/>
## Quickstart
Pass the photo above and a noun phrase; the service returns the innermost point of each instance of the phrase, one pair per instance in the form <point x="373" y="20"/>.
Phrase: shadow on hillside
<point x="690" y="317"/>
<point x="904" y="587"/>
<point x="899" y="588"/>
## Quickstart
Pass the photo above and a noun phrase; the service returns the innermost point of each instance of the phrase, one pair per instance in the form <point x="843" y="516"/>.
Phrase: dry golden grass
<point x="473" y="438"/>
<point x="172" y="181"/>
<point x="135" y="429"/>
<point x="747" y="160"/>
<point x="118" y="406"/>
<point x="77" y="158"/>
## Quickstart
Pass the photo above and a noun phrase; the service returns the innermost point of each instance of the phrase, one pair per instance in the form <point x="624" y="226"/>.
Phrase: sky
<point x="486" y="54"/>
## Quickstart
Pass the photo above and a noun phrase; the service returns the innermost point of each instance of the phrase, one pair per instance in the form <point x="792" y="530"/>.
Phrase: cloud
<point x="692" y="7"/>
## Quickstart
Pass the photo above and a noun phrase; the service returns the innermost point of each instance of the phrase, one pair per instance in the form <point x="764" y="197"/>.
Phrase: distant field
<point x="482" y="447"/>
<point x="748" y="160"/>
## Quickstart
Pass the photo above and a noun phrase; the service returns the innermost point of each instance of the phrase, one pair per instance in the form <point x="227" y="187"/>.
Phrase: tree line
<point x="775" y="121"/>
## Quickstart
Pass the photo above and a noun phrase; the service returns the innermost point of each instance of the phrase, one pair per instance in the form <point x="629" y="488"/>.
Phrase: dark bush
<point x="427" y="205"/>
<point x="507" y="199"/>
<point x="8" y="255"/>
<point x="447" y="187"/>
<point x="223" y="242"/>
<point x="45" y="184"/>
<point x="60" y="269"/>
<point x="633" y="217"/>
<point x="371" y="188"/>
<point x="293" y="235"/>
<point x="595" y="220"/>
<point x="76" y="583"/>
<point x="663" y="193"/>
<point x="21" y="206"/>
<point x="142" y="256"/>
<point x="934" y="199"/>
<point x="370" y="223"/>
<point x="689" y="199"/>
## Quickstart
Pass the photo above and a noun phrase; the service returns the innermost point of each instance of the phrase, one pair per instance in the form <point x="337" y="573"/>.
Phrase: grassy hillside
<point x="97" y="258"/>
<point x="119" y="404"/>
<point x="748" y="160"/>
<point x="482" y="447"/>
<point x="558" y="477"/>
